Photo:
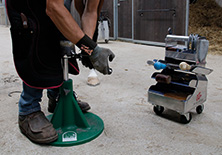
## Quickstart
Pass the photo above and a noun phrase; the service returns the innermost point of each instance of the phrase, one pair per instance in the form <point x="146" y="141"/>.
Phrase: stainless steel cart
<point x="187" y="89"/>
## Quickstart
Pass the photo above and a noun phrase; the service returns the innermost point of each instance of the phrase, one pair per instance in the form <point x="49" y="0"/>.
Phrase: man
<point x="36" y="27"/>
<point x="89" y="13"/>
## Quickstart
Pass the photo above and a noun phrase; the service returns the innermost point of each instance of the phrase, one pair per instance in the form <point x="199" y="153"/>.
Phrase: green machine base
<point x="73" y="126"/>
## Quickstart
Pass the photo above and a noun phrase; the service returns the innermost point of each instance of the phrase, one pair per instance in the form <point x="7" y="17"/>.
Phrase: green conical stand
<point x="73" y="126"/>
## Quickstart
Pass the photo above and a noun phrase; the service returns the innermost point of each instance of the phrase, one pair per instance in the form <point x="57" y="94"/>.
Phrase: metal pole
<point x="132" y="19"/>
<point x="187" y="18"/>
<point x="65" y="69"/>
<point x="115" y="18"/>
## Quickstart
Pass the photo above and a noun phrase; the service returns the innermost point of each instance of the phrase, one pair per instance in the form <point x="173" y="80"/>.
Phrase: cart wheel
<point x="106" y="41"/>
<point x="185" y="118"/>
<point x="158" y="109"/>
<point x="199" y="109"/>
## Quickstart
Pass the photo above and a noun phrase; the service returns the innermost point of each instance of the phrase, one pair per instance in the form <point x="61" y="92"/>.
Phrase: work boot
<point x="84" y="106"/>
<point x="37" y="128"/>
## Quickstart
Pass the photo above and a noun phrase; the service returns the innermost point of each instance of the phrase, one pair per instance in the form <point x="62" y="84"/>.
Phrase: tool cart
<point x="181" y="84"/>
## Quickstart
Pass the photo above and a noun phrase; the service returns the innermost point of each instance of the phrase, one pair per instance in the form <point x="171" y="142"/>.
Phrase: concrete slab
<point x="131" y="126"/>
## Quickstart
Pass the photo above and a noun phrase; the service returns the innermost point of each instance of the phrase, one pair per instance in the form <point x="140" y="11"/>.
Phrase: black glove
<point x="99" y="59"/>
<point x="97" y="55"/>
<point x="85" y="60"/>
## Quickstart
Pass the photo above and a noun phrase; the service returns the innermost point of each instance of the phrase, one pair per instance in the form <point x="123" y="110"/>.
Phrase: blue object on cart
<point x="158" y="65"/>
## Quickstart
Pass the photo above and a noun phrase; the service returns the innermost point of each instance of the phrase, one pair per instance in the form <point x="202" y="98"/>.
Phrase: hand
<point x="85" y="60"/>
<point x="99" y="59"/>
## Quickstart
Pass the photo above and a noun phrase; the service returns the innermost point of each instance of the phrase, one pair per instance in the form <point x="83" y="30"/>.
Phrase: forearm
<point x="63" y="20"/>
<point x="89" y="22"/>
<point x="90" y="16"/>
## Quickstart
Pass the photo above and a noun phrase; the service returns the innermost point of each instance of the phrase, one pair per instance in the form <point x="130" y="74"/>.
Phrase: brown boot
<point x="84" y="106"/>
<point x="37" y="128"/>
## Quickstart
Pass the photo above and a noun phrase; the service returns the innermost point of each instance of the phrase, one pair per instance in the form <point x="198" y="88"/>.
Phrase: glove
<point x="85" y="60"/>
<point x="99" y="59"/>
<point x="97" y="55"/>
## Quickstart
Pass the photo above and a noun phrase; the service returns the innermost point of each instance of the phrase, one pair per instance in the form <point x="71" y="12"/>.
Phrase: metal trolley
<point x="183" y="86"/>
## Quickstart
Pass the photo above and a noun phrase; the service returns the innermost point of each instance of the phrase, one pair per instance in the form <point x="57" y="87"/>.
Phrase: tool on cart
<point x="182" y="84"/>
<point x="160" y="64"/>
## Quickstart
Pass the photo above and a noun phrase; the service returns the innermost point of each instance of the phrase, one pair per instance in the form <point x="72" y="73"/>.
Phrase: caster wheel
<point x="158" y="109"/>
<point x="185" y="118"/>
<point x="199" y="109"/>
<point x="106" y="41"/>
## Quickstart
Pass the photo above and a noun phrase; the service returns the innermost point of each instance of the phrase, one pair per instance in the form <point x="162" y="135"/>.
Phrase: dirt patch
<point x="205" y="19"/>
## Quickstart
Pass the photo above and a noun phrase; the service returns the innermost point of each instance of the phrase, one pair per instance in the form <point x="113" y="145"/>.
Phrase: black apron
<point x="36" y="49"/>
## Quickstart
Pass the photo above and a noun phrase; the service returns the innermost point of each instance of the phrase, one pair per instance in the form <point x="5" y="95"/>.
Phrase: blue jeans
<point x="31" y="97"/>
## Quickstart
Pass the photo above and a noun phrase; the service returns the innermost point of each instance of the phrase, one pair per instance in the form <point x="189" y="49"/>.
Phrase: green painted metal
<point x="73" y="126"/>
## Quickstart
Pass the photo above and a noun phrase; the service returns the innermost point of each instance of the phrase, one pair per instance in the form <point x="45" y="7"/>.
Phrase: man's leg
<point x="53" y="95"/>
<point x="29" y="100"/>
<point x="32" y="122"/>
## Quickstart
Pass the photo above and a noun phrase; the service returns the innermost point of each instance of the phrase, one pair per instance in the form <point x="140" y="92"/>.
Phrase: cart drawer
<point x="171" y="96"/>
